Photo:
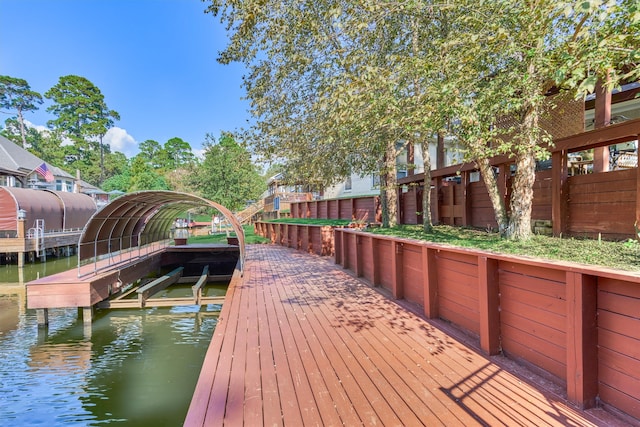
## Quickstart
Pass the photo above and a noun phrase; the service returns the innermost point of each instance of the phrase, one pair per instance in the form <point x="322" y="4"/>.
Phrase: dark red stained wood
<point x="582" y="342"/>
<point x="488" y="305"/>
<point x="327" y="350"/>
<point x="430" y="283"/>
<point x="541" y="353"/>
<point x="412" y="273"/>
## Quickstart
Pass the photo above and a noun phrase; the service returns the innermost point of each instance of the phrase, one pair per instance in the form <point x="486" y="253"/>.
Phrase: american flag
<point x="44" y="171"/>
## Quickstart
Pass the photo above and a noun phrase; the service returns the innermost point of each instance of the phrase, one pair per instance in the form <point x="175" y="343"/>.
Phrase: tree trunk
<point x="522" y="188"/>
<point x="427" y="223"/>
<point x="499" y="209"/>
<point x="390" y="185"/>
<point x="23" y="132"/>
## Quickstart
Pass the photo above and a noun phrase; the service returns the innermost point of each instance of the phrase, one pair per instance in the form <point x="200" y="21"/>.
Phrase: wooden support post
<point x="466" y="199"/>
<point x="352" y="207"/>
<point x="430" y="282"/>
<point x="357" y="241"/>
<point x="338" y="235"/>
<point x="397" y="285"/>
<point x="435" y="215"/>
<point x="452" y="202"/>
<point x="197" y="288"/>
<point x="488" y="305"/>
<point x="375" y="273"/>
<point x="42" y="316"/>
<point x="559" y="196"/>
<point x="582" y="339"/>
<point x="87" y="315"/>
<point x="157" y="285"/>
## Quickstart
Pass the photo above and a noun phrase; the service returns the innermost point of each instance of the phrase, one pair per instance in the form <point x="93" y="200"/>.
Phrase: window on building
<point x="375" y="181"/>
<point x="347" y="184"/>
<point x="58" y="185"/>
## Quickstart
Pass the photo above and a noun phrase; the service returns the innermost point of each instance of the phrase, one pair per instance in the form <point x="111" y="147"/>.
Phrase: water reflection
<point x="133" y="367"/>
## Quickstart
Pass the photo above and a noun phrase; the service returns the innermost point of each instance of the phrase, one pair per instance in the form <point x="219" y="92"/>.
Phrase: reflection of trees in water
<point x="145" y="364"/>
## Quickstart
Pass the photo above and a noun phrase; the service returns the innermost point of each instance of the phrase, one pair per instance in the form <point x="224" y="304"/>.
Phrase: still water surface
<point x="132" y="367"/>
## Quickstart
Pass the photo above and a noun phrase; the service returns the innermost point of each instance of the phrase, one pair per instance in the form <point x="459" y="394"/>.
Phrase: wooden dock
<point x="301" y="342"/>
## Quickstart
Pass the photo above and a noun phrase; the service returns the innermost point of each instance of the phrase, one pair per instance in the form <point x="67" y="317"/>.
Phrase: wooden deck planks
<point x="301" y="342"/>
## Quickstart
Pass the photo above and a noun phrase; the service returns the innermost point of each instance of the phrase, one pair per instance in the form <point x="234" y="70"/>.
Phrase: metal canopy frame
<point x="140" y="220"/>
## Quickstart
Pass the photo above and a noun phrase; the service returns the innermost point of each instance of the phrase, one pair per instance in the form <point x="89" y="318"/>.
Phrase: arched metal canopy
<point x="141" y="218"/>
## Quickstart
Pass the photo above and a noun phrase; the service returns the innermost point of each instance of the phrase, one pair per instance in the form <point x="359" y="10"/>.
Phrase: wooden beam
<point x="144" y="292"/>
<point x="559" y="184"/>
<point x="197" y="288"/>
<point x="582" y="339"/>
<point x="430" y="282"/>
<point x="397" y="285"/>
<point x="489" y="304"/>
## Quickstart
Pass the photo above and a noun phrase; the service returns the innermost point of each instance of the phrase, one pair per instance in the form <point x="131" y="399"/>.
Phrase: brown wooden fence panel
<point x="482" y="215"/>
<point x="332" y="209"/>
<point x="603" y="203"/>
<point x="458" y="289"/>
<point x="412" y="273"/>
<point x="322" y="209"/>
<point x="365" y="209"/>
<point x="619" y="344"/>
<point x="410" y="206"/>
<point x="541" y="208"/>
<point x="385" y="263"/>
<point x="345" y="210"/>
<point x="369" y="261"/>
<point x="533" y="315"/>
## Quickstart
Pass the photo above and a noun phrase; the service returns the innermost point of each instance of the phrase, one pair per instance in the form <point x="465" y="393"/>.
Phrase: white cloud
<point x="120" y="140"/>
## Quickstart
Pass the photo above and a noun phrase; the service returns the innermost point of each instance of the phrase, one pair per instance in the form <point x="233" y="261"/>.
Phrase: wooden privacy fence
<point x="578" y="323"/>
<point x="582" y="204"/>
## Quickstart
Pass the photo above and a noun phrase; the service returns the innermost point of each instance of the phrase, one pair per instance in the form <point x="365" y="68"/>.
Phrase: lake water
<point x="134" y="367"/>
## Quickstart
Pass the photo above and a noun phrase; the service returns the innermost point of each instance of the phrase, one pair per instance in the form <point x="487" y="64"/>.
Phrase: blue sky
<point x="153" y="60"/>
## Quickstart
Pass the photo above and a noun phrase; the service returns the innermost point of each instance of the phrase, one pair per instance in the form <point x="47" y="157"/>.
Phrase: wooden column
<point x="435" y="215"/>
<point x="397" y="285"/>
<point x="338" y="235"/>
<point x="559" y="202"/>
<point x="42" y="316"/>
<point x="582" y="339"/>
<point x="375" y="273"/>
<point x="357" y="241"/>
<point x="489" y="305"/>
<point x="637" y="224"/>
<point x="466" y="199"/>
<point x="430" y="282"/>
<point x="352" y="207"/>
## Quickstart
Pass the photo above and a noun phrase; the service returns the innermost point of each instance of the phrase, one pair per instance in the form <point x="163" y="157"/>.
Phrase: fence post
<point x="559" y="184"/>
<point x="582" y="339"/>
<point x="397" y="285"/>
<point x="488" y="305"/>
<point x="430" y="282"/>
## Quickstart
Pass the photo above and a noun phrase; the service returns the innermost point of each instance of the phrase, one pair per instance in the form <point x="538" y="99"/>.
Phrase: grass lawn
<point x="249" y="235"/>
<point x="622" y="255"/>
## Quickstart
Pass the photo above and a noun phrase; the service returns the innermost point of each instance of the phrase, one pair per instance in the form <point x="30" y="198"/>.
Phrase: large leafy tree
<point x="176" y="154"/>
<point x="510" y="55"/>
<point x="227" y="174"/>
<point x="322" y="87"/>
<point x="16" y="95"/>
<point x="82" y="116"/>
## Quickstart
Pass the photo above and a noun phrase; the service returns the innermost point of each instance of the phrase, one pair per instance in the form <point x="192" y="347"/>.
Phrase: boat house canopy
<point x="59" y="210"/>
<point x="141" y="218"/>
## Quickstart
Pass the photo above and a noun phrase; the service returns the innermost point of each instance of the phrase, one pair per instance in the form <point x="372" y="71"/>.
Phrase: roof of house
<point x="15" y="160"/>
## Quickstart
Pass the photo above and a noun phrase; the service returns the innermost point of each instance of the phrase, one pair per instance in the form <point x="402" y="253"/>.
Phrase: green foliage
<point x="227" y="175"/>
<point x="16" y="95"/>
<point x="82" y="116"/>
